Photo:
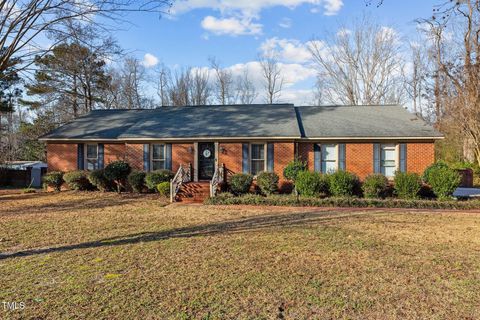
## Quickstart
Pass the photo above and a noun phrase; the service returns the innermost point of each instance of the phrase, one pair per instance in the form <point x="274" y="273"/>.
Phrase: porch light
<point x="222" y="150"/>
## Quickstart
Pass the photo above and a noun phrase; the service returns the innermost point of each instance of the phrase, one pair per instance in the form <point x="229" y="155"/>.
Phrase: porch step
<point x="193" y="192"/>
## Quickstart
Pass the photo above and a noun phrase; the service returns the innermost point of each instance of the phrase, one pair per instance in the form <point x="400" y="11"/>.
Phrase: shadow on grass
<point x="81" y="203"/>
<point x="225" y="227"/>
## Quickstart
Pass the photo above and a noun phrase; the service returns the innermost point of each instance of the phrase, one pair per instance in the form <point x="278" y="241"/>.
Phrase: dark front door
<point x="206" y="160"/>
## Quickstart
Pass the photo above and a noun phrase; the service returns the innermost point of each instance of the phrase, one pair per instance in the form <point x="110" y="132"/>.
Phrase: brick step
<point x="193" y="192"/>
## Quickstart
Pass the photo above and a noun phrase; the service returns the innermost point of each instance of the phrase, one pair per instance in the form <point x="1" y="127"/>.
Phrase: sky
<point x="237" y="32"/>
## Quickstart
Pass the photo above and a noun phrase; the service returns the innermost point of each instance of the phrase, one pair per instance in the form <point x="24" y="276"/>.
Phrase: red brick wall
<point x="305" y="153"/>
<point x="134" y="155"/>
<point x="181" y="155"/>
<point x="359" y="159"/>
<point x="113" y="152"/>
<point x="420" y="156"/>
<point x="62" y="157"/>
<point x="284" y="153"/>
<point x="231" y="156"/>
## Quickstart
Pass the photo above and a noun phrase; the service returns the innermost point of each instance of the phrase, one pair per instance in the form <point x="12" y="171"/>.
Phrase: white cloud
<point x="241" y="17"/>
<point x="253" y="7"/>
<point x="149" y="60"/>
<point x="231" y="26"/>
<point x="286" y="23"/>
<point x="332" y="7"/>
<point x="289" y="50"/>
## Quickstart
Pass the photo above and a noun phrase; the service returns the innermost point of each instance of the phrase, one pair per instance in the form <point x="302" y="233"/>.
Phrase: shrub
<point x="292" y="170"/>
<point x="241" y="183"/>
<point x="375" y="186"/>
<point x="136" y="179"/>
<point x="267" y="182"/>
<point x="288" y="200"/>
<point x="117" y="172"/>
<point x="77" y="180"/>
<point x="343" y="184"/>
<point x="310" y="184"/>
<point x="29" y="190"/>
<point x="443" y="181"/>
<point x="152" y="179"/>
<point x="54" y="180"/>
<point x="97" y="179"/>
<point x="434" y="166"/>
<point x="407" y="185"/>
<point x="164" y="188"/>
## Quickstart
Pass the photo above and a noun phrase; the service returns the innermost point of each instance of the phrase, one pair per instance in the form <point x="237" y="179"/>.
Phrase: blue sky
<point x="236" y="31"/>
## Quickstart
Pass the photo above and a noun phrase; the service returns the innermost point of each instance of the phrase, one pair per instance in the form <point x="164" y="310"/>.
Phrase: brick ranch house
<point x="246" y="138"/>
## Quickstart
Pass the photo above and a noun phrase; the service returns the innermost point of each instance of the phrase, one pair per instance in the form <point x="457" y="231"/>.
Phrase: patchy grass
<point x="92" y="255"/>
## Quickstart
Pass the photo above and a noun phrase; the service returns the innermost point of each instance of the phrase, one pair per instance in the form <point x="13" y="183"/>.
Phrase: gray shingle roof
<point x="245" y="121"/>
<point x="363" y="121"/>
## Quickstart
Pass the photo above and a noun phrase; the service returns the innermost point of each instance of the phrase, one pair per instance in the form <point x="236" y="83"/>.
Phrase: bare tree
<point x="200" y="87"/>
<point x="273" y="80"/>
<point x="224" y="84"/>
<point x="455" y="29"/>
<point x="180" y="88"/>
<point x="164" y="78"/>
<point x="246" y="91"/>
<point x="132" y="77"/>
<point x="23" y="23"/>
<point x="360" y="65"/>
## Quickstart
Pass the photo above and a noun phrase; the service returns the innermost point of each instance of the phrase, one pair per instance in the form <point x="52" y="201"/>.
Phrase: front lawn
<point x="94" y="256"/>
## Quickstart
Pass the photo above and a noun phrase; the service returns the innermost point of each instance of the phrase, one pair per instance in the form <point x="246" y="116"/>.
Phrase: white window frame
<point x="250" y="159"/>
<point x="322" y="154"/>
<point x="152" y="160"/>
<point x="396" y="149"/>
<point x="86" y="158"/>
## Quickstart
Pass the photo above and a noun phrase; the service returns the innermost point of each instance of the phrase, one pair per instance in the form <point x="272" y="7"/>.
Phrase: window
<point x="388" y="160"/>
<point x="158" y="156"/>
<point x="257" y="157"/>
<point x="91" y="158"/>
<point x="329" y="158"/>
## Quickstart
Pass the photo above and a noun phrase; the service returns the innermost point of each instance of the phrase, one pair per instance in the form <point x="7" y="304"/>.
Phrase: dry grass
<point x="94" y="256"/>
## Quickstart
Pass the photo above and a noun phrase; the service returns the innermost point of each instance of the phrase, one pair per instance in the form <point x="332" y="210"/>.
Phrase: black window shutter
<point x="168" y="156"/>
<point x="376" y="158"/>
<point x="341" y="156"/>
<point x="101" y="156"/>
<point x="270" y="156"/>
<point x="146" y="157"/>
<point x="245" y="158"/>
<point x="80" y="157"/>
<point x="403" y="157"/>
<point x="317" y="157"/>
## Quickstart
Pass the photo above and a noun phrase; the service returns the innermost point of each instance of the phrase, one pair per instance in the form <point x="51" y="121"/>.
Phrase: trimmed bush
<point x="54" y="180"/>
<point x="241" y="183"/>
<point x="407" y="185"/>
<point x="443" y="181"/>
<point x="349" y="202"/>
<point x="434" y="166"/>
<point x="98" y="180"/>
<point x="292" y="170"/>
<point x="164" y="188"/>
<point x="267" y="182"/>
<point x="311" y="184"/>
<point x="117" y="172"/>
<point x="375" y="186"/>
<point x="343" y="184"/>
<point x="136" y="180"/>
<point x="77" y="180"/>
<point x="152" y="179"/>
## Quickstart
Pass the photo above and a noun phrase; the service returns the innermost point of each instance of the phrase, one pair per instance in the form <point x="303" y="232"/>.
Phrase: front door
<point x="206" y="160"/>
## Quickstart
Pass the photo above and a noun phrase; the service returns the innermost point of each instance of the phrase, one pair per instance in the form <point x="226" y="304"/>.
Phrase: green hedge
<point x="289" y="200"/>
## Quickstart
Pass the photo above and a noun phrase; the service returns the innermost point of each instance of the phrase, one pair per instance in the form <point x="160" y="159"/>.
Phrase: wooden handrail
<point x="182" y="176"/>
